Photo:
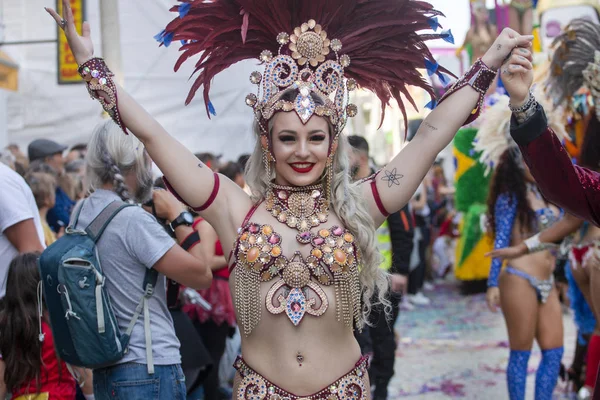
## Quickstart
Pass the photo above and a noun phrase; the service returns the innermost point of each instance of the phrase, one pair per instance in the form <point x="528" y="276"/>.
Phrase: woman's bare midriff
<point x="327" y="347"/>
<point x="539" y="265"/>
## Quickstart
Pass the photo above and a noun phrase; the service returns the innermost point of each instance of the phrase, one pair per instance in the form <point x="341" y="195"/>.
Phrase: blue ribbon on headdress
<point x="431" y="67"/>
<point x="211" y="109"/>
<point x="432" y="104"/>
<point x="433" y="23"/>
<point x="164" y="37"/>
<point x="443" y="78"/>
<point x="447" y="36"/>
<point x="184" y="9"/>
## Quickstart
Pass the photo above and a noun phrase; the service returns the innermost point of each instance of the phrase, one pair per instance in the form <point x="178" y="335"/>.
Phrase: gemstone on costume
<point x="335" y="267"/>
<point x="265" y="258"/>
<point x="340" y="256"/>
<point x="317" y="253"/>
<point x="324" y="233"/>
<point x="283" y="38"/>
<point x="348" y="237"/>
<point x="266" y="56"/>
<point x="336" y="44"/>
<point x="351" y="84"/>
<point x="345" y="60"/>
<point x="252" y="255"/>
<point x="303" y="225"/>
<point x="254" y="228"/>
<point x="282" y="217"/>
<point x="322" y="217"/>
<point x="266" y="275"/>
<point x="267" y="230"/>
<point x="351" y="110"/>
<point x="251" y="100"/>
<point x="337" y="231"/>
<point x="318" y="241"/>
<point x="255" y="77"/>
<point x="328" y="258"/>
<point x="282" y="195"/>
<point x="295" y="309"/>
<point x="276" y="251"/>
<point x="327" y="249"/>
<point x="252" y="239"/>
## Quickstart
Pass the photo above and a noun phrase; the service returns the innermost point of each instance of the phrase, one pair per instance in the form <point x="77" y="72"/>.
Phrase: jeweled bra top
<point x="333" y="260"/>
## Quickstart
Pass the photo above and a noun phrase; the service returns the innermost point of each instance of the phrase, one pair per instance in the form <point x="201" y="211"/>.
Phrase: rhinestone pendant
<point x="295" y="306"/>
<point x="305" y="107"/>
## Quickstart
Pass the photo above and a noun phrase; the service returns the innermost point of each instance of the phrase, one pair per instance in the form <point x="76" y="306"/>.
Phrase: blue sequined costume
<point x="505" y="212"/>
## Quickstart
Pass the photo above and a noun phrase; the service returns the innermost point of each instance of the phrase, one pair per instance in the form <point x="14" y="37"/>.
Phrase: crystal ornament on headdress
<point x="307" y="71"/>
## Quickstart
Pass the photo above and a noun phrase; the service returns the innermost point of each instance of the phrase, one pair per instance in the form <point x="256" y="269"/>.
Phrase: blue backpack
<point x="85" y="330"/>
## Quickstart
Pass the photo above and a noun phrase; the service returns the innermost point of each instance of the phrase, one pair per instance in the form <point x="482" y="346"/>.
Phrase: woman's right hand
<point x="517" y="75"/>
<point x="492" y="297"/>
<point x="508" y="253"/>
<point x="81" y="46"/>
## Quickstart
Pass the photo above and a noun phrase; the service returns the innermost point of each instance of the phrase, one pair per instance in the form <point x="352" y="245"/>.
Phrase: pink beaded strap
<point x="480" y="77"/>
<point x="101" y="87"/>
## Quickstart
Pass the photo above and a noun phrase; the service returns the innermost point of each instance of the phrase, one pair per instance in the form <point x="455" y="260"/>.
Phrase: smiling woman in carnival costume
<point x="302" y="247"/>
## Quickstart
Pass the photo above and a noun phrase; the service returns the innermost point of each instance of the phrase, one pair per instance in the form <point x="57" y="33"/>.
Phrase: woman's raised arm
<point x="194" y="182"/>
<point x="398" y="180"/>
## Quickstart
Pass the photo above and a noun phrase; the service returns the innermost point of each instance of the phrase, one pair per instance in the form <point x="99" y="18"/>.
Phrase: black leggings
<point x="383" y="341"/>
<point x="214" y="337"/>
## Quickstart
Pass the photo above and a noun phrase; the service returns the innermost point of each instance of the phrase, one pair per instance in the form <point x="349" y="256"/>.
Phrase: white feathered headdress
<point x="493" y="137"/>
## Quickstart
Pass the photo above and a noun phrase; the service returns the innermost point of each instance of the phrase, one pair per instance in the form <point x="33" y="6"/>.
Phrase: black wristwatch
<point x="185" y="218"/>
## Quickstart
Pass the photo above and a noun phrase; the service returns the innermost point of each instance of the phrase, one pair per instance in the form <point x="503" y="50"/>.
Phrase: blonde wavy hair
<point x="348" y="204"/>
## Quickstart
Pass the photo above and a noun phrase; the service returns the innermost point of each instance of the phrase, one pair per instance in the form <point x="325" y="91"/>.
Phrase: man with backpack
<point x="104" y="281"/>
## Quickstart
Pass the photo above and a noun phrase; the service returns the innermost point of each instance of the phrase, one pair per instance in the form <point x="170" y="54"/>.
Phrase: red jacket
<point x="574" y="188"/>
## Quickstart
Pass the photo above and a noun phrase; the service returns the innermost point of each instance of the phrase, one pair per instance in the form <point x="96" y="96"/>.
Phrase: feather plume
<point x="379" y="36"/>
<point x="574" y="50"/>
<point x="493" y="137"/>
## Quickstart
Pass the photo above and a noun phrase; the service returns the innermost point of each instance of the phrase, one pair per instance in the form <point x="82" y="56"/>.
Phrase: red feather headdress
<point x="376" y="45"/>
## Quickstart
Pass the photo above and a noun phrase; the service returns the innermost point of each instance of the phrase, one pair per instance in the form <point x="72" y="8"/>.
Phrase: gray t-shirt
<point x="133" y="242"/>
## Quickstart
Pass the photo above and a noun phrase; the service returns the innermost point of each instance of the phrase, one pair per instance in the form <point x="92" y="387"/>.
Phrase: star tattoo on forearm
<point x="392" y="177"/>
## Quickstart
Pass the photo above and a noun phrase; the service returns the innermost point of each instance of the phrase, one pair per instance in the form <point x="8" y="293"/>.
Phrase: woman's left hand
<point x="503" y="46"/>
<point x="166" y="205"/>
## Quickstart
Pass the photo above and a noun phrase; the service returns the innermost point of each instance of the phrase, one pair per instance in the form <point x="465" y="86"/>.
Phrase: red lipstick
<point x="302" y="168"/>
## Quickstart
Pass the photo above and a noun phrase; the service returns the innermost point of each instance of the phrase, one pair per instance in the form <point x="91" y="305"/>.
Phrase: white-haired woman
<point x="297" y="243"/>
<point x="119" y="169"/>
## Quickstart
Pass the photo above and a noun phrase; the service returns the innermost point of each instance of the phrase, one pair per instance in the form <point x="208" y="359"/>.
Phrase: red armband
<point x="208" y="203"/>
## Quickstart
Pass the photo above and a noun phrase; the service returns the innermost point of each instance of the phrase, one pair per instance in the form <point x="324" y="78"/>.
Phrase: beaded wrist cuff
<point x="534" y="245"/>
<point x="99" y="79"/>
<point x="480" y="78"/>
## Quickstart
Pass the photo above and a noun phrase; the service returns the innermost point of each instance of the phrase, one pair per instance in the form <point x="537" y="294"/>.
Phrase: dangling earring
<point x="267" y="157"/>
<point x="329" y="170"/>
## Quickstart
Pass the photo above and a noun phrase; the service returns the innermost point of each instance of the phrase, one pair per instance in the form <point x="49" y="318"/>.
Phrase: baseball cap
<point x="41" y="148"/>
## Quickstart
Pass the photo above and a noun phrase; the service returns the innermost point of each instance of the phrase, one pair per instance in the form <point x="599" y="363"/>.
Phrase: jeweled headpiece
<point x="308" y="71"/>
<point x="300" y="44"/>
